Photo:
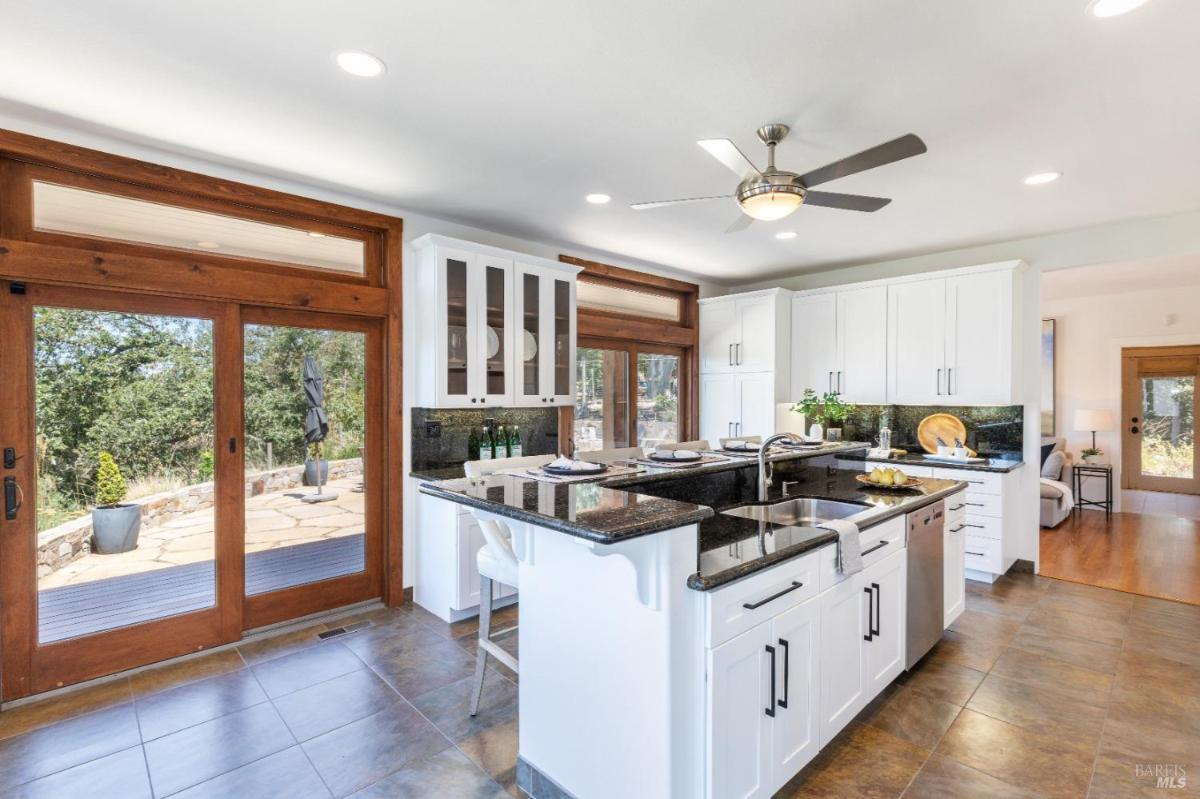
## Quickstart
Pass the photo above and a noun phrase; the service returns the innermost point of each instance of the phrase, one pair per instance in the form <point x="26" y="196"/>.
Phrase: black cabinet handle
<point x="878" y="608"/>
<point x="786" y="649"/>
<point x="977" y="554"/>
<point x="870" y="615"/>
<point x="956" y="529"/>
<point x="976" y="504"/>
<point x="977" y="526"/>
<point x="772" y="597"/>
<point x="770" y="711"/>
<point x="959" y="507"/>
<point x="880" y="545"/>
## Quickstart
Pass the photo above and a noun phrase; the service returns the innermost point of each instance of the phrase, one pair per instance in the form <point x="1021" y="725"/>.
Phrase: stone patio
<point x="274" y="520"/>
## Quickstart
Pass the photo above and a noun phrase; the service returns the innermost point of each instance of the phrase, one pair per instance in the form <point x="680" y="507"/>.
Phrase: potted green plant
<point x="1091" y="454"/>
<point x="115" y="526"/>
<point x="312" y="464"/>
<point x="822" y="410"/>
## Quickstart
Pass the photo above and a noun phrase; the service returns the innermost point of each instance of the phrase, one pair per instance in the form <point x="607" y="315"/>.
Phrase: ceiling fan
<point x="771" y="193"/>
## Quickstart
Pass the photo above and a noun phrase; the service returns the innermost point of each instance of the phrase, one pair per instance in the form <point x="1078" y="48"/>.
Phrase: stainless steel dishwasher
<point x="926" y="581"/>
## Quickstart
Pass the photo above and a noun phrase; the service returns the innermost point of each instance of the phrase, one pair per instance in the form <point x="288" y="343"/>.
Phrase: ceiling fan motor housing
<point x="773" y="195"/>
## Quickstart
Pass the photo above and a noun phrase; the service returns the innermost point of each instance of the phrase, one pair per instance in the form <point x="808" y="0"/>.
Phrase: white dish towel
<point x="849" y="551"/>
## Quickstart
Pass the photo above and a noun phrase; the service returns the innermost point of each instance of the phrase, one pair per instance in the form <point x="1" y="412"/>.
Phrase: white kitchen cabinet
<point x="736" y="405"/>
<point x="739" y="745"/>
<point x="862" y="345"/>
<point x="796" y="733"/>
<point x="954" y="539"/>
<point x="843" y="667"/>
<point x="762" y="699"/>
<point x="718" y="332"/>
<point x="757" y="340"/>
<point x="545" y="336"/>
<point x="887" y="621"/>
<point x="814" y="343"/>
<point x="980" y="347"/>
<point x="746" y="333"/>
<point x="951" y="340"/>
<point x="916" y="342"/>
<point x="496" y="328"/>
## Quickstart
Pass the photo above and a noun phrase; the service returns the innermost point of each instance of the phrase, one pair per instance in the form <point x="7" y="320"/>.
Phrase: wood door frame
<point x="27" y="666"/>
<point x="96" y="265"/>
<point x="292" y="602"/>
<point x="1138" y="362"/>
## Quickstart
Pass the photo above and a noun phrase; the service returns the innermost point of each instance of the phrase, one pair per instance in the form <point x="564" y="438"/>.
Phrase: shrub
<point x="110" y="484"/>
<point x="206" y="465"/>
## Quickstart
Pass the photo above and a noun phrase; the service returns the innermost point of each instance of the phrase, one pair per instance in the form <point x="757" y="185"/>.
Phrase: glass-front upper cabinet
<point x="546" y="346"/>
<point x="491" y="331"/>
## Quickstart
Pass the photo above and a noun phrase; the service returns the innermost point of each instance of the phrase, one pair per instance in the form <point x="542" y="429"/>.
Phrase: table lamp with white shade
<point x="1095" y="421"/>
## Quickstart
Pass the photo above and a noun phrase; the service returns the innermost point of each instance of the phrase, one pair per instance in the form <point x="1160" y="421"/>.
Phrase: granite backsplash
<point x="996" y="430"/>
<point x="539" y="432"/>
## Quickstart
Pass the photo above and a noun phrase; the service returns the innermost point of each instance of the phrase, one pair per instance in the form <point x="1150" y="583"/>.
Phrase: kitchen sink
<point x="799" y="511"/>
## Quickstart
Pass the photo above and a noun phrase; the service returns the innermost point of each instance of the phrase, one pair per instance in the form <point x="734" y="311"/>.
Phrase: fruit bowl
<point x="866" y="480"/>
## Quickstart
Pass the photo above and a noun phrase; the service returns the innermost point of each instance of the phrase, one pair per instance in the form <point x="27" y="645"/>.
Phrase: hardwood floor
<point x="1156" y="556"/>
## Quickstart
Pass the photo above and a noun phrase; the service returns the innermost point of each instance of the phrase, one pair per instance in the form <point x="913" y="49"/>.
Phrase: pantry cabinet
<point x="736" y="405"/>
<point x="495" y="328"/>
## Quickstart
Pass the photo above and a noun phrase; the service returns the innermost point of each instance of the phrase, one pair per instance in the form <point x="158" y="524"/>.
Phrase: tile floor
<point x="1042" y="688"/>
<point x="1159" y="503"/>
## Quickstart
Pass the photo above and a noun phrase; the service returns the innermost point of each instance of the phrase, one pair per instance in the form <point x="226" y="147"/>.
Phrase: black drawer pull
<point x="956" y="529"/>
<point x="772" y="597"/>
<point x="959" y="507"/>
<point x="880" y="545"/>
<point x="977" y="504"/>
<point x="783" y="643"/>
<point x="977" y="526"/>
<point x="770" y="710"/>
<point x="977" y="554"/>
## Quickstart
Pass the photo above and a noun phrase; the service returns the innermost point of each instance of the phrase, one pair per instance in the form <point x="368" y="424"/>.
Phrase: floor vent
<point x="349" y="628"/>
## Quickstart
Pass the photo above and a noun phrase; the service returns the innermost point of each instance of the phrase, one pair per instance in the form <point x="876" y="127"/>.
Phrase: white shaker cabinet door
<point x="979" y="341"/>
<point x="739" y="726"/>
<point x="718" y="333"/>
<point x="796" y="635"/>
<point x="861" y="371"/>
<point x="885" y="650"/>
<point x="917" y="342"/>
<point x="814" y="343"/>
<point x="718" y="406"/>
<point x="754" y="348"/>
<point x="756" y="405"/>
<point x="843" y="670"/>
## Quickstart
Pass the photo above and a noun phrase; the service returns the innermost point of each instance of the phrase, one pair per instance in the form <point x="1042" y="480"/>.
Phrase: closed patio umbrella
<point x="316" y="422"/>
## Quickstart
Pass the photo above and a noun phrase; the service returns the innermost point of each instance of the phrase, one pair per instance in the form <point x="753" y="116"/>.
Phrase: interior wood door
<point x="89" y="371"/>
<point x="1158" y="426"/>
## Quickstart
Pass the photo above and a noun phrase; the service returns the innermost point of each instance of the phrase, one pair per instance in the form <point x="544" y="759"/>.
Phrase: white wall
<point x="1091" y="329"/>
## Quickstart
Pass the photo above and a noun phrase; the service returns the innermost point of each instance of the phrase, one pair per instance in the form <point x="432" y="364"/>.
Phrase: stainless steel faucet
<point x="764" y="468"/>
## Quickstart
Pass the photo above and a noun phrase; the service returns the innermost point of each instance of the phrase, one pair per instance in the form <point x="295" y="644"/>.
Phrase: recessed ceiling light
<point x="598" y="199"/>
<point x="786" y="234"/>
<point x="356" y="62"/>
<point x="208" y="245"/>
<point x="1041" y="178"/>
<point x="1113" y="8"/>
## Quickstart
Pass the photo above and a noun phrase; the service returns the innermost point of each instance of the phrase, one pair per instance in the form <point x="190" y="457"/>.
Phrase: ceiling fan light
<point x="769" y="206"/>
<point x="1113" y="8"/>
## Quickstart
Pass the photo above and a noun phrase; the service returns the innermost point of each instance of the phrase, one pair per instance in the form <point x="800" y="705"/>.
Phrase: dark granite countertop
<point x="434" y="473"/>
<point x="732" y="547"/>
<point x="992" y="465"/>
<point x="585" y="510"/>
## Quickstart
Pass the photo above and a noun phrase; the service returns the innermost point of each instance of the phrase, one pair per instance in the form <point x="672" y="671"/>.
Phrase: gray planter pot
<point x="116" y="529"/>
<point x="310" y="472"/>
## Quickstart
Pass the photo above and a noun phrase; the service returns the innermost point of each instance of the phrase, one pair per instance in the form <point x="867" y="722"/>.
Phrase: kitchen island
<point x="670" y="649"/>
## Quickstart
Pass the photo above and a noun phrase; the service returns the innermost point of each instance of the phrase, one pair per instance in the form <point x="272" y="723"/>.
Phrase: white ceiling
<point x="1124" y="277"/>
<point x="504" y="114"/>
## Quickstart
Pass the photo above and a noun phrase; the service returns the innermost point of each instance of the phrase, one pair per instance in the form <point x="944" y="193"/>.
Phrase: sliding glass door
<point x="628" y="395"/>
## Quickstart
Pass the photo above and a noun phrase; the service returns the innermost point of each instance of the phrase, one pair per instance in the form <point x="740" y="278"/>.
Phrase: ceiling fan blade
<point x="886" y="153"/>
<point x="741" y="223"/>
<point x="661" y="203"/>
<point x="847" y="202"/>
<point x="728" y="154"/>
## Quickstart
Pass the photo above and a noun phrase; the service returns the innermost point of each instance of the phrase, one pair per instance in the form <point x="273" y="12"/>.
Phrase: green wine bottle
<point x="487" y="447"/>
<point x="514" y="442"/>
<point x="472" y="445"/>
<point x="501" y="442"/>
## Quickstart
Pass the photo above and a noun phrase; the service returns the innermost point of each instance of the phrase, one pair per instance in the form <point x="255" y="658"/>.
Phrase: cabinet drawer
<point x="977" y="482"/>
<point x="956" y="508"/>
<point x="983" y="526"/>
<point x="876" y="542"/>
<point x="984" y="504"/>
<point x="983" y="554"/>
<point x="767" y="593"/>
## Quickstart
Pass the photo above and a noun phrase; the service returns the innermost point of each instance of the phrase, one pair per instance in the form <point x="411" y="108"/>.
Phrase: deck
<point x="75" y="610"/>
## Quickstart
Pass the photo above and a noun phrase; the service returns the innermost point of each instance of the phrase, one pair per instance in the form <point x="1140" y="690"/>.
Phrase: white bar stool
<point x="497" y="563"/>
